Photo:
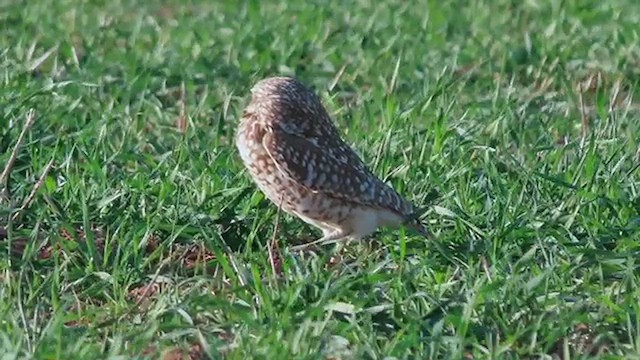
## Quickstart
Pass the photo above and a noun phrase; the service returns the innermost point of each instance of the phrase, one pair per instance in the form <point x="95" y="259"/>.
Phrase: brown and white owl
<point x="295" y="155"/>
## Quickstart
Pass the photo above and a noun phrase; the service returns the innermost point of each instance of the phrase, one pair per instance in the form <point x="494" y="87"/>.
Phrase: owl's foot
<point x="335" y="237"/>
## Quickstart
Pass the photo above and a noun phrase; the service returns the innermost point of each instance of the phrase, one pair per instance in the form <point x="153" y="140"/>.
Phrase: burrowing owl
<point x="294" y="153"/>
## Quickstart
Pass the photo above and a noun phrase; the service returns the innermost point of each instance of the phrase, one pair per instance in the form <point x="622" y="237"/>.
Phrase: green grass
<point x="473" y="109"/>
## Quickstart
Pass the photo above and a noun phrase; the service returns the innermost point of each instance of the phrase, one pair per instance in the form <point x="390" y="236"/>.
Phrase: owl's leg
<point x="330" y="236"/>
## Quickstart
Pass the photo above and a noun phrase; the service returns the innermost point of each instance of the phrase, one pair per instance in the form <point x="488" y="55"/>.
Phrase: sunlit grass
<point x="514" y="124"/>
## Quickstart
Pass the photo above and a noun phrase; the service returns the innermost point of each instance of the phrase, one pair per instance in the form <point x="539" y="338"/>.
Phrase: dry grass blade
<point x="6" y="173"/>
<point x="275" y="258"/>
<point x="615" y="95"/>
<point x="34" y="191"/>
<point x="394" y="77"/>
<point x="584" y="121"/>
<point x="40" y="60"/>
<point x="181" y="122"/>
<point x="147" y="289"/>
<point x="335" y="80"/>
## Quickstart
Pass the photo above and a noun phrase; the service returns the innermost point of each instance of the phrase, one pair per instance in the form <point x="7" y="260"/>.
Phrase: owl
<point x="295" y="155"/>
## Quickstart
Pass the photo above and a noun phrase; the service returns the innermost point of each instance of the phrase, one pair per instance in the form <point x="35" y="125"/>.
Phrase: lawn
<point x="130" y="229"/>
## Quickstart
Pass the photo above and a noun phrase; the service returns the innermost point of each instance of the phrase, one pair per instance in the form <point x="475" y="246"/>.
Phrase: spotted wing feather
<point x="330" y="170"/>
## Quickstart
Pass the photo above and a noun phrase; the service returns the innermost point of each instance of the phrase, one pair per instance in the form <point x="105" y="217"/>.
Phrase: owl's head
<point x="287" y="104"/>
<point x="413" y="222"/>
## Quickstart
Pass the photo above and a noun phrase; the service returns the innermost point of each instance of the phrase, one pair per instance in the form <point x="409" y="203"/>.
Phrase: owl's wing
<point x="331" y="168"/>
